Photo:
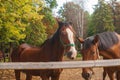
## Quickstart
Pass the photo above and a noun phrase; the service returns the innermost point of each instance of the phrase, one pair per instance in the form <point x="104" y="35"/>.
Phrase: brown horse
<point x="52" y="49"/>
<point x="106" y="44"/>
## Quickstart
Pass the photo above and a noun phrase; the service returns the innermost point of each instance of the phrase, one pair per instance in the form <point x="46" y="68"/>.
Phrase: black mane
<point x="106" y="40"/>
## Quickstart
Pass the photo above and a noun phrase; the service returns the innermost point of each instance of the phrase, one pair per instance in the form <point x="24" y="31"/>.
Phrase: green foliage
<point x="102" y="19"/>
<point x="48" y="19"/>
<point x="91" y="29"/>
<point x="51" y="3"/>
<point x="35" y="33"/>
<point x="79" y="55"/>
<point x="61" y="12"/>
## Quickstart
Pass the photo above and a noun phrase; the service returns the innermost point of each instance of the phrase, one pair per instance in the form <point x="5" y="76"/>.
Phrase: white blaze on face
<point x="71" y="39"/>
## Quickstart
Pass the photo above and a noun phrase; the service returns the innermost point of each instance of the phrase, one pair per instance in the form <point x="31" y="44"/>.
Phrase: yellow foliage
<point x="2" y="10"/>
<point x="17" y="15"/>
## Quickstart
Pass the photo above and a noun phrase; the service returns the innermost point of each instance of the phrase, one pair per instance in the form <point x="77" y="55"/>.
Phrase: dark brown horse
<point x="52" y="49"/>
<point x="106" y="44"/>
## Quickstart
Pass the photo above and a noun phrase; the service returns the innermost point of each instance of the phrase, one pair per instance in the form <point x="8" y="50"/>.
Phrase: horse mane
<point x="107" y="39"/>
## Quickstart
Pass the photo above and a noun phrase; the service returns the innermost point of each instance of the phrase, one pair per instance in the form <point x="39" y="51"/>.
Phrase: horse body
<point x="105" y="44"/>
<point x="36" y="54"/>
<point x="17" y="52"/>
<point x="111" y="53"/>
<point x="51" y="50"/>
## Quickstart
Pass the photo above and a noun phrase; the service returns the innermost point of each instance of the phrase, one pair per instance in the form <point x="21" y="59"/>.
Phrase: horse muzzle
<point x="71" y="55"/>
<point x="87" y="75"/>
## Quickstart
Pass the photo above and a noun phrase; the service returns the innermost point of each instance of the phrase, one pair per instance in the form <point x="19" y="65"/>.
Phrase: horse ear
<point x="81" y="40"/>
<point x="96" y="39"/>
<point x="59" y="22"/>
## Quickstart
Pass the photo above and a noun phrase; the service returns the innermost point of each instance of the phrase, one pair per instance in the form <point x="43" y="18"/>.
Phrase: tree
<point x="44" y="28"/>
<point x="74" y="13"/>
<point x="102" y="18"/>
<point x="115" y="6"/>
<point x="51" y="3"/>
<point x="49" y="20"/>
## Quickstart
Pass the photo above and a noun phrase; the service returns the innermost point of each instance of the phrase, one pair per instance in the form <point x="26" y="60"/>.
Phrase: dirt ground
<point x="67" y="74"/>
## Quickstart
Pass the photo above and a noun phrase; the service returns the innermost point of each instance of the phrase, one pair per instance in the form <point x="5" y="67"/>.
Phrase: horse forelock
<point x="88" y="42"/>
<point x="107" y="40"/>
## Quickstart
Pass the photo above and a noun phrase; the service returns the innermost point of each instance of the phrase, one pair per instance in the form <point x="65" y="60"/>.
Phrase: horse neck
<point x="53" y="49"/>
<point x="58" y="50"/>
<point x="107" y="53"/>
<point x="104" y="53"/>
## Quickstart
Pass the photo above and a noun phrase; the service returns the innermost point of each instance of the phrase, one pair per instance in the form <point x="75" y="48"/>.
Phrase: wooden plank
<point x="55" y="65"/>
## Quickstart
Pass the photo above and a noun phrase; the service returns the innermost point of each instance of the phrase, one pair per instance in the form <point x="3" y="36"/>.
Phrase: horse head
<point x="89" y="52"/>
<point x="67" y="39"/>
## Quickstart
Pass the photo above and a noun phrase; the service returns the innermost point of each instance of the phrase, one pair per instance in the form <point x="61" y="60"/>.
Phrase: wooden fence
<point x="64" y="64"/>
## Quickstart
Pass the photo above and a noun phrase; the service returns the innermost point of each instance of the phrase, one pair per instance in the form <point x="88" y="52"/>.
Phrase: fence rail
<point x="55" y="65"/>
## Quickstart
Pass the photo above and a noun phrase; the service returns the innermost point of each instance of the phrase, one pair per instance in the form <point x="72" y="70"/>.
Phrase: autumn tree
<point x="49" y="20"/>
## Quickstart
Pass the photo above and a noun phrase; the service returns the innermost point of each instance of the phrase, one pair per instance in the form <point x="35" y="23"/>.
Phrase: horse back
<point x="112" y="52"/>
<point x="18" y="50"/>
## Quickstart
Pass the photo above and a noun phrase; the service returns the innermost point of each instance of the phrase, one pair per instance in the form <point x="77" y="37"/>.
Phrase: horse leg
<point x="45" y="77"/>
<point x="28" y="77"/>
<point x="118" y="75"/>
<point x="111" y="75"/>
<point x="55" y="77"/>
<point x="104" y="72"/>
<point x="17" y="74"/>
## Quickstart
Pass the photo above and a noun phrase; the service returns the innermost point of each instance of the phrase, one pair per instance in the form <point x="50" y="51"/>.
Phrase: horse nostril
<point x="85" y="75"/>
